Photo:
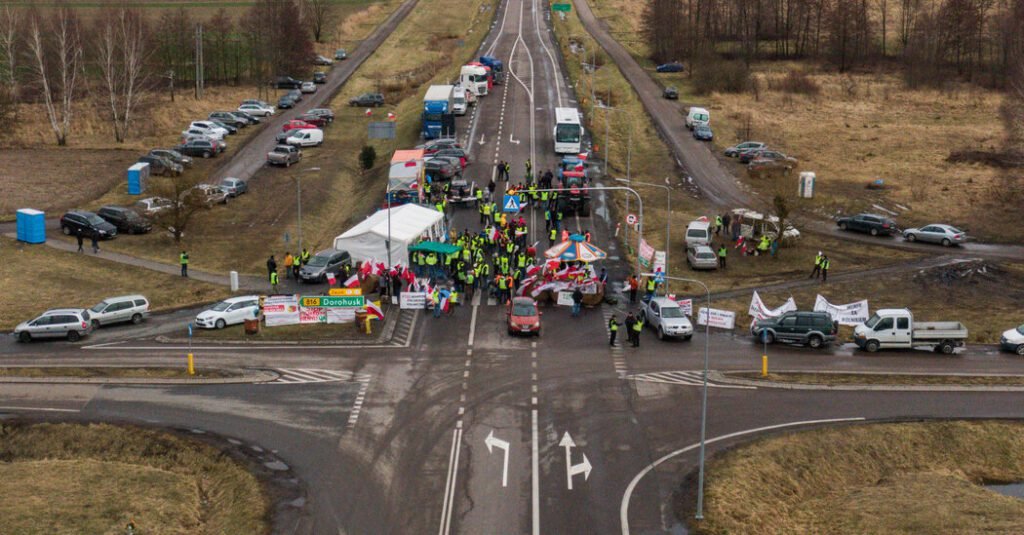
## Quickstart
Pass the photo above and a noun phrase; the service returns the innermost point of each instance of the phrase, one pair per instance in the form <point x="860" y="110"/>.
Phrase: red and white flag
<point x="330" y="279"/>
<point x="373" y="310"/>
<point x="369" y="112"/>
<point x="352" y="282"/>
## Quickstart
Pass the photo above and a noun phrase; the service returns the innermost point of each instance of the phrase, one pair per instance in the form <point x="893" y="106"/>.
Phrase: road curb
<point x="724" y="378"/>
<point x="247" y="376"/>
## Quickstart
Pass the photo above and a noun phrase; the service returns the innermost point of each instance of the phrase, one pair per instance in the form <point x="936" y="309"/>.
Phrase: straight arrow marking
<point x="492" y="442"/>
<point x="571" y="469"/>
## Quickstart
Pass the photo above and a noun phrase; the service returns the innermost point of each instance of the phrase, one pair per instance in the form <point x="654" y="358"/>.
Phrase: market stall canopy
<point x="575" y="248"/>
<point x="406" y="155"/>
<point x="436" y="247"/>
<point x="409" y="224"/>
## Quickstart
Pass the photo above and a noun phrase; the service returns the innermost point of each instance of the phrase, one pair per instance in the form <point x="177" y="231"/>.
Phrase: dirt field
<point x="69" y="478"/>
<point x="884" y="478"/>
<point x="939" y="294"/>
<point x="82" y="280"/>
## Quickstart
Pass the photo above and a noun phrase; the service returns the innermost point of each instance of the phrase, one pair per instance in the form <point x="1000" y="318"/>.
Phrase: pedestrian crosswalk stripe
<point x="311" y="375"/>
<point x="684" y="378"/>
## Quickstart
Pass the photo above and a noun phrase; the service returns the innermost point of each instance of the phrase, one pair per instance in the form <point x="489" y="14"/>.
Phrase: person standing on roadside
<point x="95" y="243"/>
<point x="506" y="170"/>
<point x="722" y="253"/>
<point x="183" y="260"/>
<point x="817" y="266"/>
<point x="630" y="320"/>
<point x="288" y="261"/>
<point x="634" y="285"/>
<point x="274" y="280"/>
<point x="499" y="169"/>
<point x="78" y="235"/>
<point x="613" y="330"/>
<point x="638" y="327"/>
<point x="271" y="267"/>
<point x="825" y="264"/>
<point x="577" y="300"/>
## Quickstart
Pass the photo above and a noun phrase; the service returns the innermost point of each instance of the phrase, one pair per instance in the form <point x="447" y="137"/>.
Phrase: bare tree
<point x="318" y="15"/>
<point x="10" y="30"/>
<point x="64" y="51"/>
<point x="122" y="53"/>
<point x="187" y="202"/>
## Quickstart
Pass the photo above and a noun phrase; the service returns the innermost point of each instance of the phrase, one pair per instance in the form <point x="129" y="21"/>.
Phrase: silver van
<point x="70" y="323"/>
<point x="133" y="308"/>
<point x="324" y="262"/>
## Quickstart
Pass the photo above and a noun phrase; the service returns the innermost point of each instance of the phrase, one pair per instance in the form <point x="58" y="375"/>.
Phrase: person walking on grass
<point x="816" y="272"/>
<point x="183" y="260"/>
<point x="78" y="235"/>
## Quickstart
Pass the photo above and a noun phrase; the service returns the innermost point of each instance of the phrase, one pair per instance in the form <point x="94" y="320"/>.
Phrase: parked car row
<point x="74" y="323"/>
<point x="761" y="160"/>
<point x="879" y="225"/>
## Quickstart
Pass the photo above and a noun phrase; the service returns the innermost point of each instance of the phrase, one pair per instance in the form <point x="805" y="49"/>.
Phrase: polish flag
<point x="352" y="282"/>
<point x="330" y="279"/>
<point x="369" y="112"/>
<point x="391" y="116"/>
<point x="532" y="271"/>
<point x="374" y="311"/>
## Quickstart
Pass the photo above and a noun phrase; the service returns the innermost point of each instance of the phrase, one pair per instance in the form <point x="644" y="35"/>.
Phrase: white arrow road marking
<point x="510" y="140"/>
<point x="481" y="139"/>
<point x="498" y="443"/>
<point x="570" y="469"/>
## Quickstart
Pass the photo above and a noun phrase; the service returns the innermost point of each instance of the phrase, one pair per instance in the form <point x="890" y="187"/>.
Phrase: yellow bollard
<point x="764" y="365"/>
<point x="191" y="365"/>
<point x="368" y="325"/>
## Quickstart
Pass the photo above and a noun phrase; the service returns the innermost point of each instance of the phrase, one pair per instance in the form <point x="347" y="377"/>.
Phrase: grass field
<point x="883" y="478"/>
<point x="335" y="331"/>
<point x="70" y="478"/>
<point x="928" y="294"/>
<point x="37" y="277"/>
<point x="112" y="372"/>
<point x="832" y="379"/>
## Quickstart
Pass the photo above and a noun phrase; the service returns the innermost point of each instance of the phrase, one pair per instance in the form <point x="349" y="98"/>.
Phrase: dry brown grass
<point x="70" y="478"/>
<point x="333" y="331"/>
<point x="831" y="379"/>
<point x="986" y="306"/>
<point x="131" y="373"/>
<point x="37" y="277"/>
<point x="882" y="478"/>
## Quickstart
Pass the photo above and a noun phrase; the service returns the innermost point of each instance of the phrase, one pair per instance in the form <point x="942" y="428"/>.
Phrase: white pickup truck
<point x="892" y="328"/>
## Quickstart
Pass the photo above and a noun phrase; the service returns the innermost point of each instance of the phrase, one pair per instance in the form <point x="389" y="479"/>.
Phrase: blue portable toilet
<point x="138" y="174"/>
<point x="31" y="225"/>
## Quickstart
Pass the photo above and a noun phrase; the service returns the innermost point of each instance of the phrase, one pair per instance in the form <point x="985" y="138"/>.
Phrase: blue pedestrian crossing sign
<point x="659" y="277"/>
<point x="510" y="203"/>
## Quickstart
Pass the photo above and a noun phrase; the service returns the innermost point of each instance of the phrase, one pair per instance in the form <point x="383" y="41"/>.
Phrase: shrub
<point x="367" y="157"/>
<point x="712" y="73"/>
<point x="798" y="82"/>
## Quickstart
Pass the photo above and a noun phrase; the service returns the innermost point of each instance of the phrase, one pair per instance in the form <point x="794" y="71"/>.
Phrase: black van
<point x="814" y="329"/>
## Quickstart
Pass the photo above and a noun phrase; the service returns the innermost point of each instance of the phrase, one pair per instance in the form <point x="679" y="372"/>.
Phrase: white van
<point x="697" y="117"/>
<point x="698" y="233"/>
<point x="306" y="137"/>
<point x="459" y="103"/>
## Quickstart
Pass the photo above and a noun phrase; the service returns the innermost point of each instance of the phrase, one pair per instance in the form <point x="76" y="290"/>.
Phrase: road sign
<point x="510" y="204"/>
<point x="561" y="7"/>
<point x="381" y="130"/>
<point x="348" y="301"/>
<point x="345" y="291"/>
<point x="190" y="330"/>
<point x="659" y="277"/>
<point x="631" y="219"/>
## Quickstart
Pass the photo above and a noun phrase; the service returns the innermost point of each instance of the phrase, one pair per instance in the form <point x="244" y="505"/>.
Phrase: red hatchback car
<point x="296" y="124"/>
<point x="523" y="317"/>
<point x="315" y="120"/>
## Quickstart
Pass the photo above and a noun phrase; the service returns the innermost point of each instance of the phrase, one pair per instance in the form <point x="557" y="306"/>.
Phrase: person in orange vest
<point x="288" y="261"/>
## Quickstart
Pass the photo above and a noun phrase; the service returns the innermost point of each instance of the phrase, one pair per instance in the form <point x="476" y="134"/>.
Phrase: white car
<point x="666" y="317"/>
<point x="308" y="87"/>
<point x="306" y="137"/>
<point x="1013" y="340"/>
<point x="229" y="312"/>
<point x="216" y="135"/>
<point x="209" y="126"/>
<point x="133" y="308"/>
<point x="256" y="110"/>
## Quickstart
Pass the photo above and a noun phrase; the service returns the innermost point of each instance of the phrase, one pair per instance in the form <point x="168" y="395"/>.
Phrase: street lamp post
<point x="668" y="218"/>
<point x="704" y="394"/>
<point x="387" y="243"/>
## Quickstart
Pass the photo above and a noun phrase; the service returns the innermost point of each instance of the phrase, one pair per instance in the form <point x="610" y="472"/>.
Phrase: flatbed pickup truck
<point x="462" y="192"/>
<point x="892" y="328"/>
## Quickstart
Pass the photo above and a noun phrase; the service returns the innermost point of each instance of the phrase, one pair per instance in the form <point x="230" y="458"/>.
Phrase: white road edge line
<point x="624" y="508"/>
<point x="43" y="409"/>
<point x="448" y="482"/>
<point x="535" y="467"/>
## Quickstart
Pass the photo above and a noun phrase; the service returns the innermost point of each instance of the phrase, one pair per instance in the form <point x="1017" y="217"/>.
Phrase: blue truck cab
<point x="497" y="67"/>
<point x="438" y="112"/>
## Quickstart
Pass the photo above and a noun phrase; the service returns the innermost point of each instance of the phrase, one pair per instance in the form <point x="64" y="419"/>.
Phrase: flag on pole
<point x="330" y="279"/>
<point x="369" y="112"/>
<point x="352" y="282"/>
<point x="373" y="310"/>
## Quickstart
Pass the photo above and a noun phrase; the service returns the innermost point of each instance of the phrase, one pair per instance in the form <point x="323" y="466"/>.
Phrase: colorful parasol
<point x="575" y="248"/>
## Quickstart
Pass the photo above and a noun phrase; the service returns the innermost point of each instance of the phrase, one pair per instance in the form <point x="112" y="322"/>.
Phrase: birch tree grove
<point x="121" y="55"/>
<point x="56" y="53"/>
<point x="10" y="23"/>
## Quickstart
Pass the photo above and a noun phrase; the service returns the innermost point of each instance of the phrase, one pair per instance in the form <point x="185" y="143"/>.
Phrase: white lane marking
<point x="494" y="442"/>
<point x="554" y="65"/>
<point x="472" y="322"/>
<point x="624" y="508"/>
<point x="448" y="484"/>
<point x="685" y="378"/>
<point x="535" y="468"/>
<point x="34" y="409"/>
<point x="103" y="345"/>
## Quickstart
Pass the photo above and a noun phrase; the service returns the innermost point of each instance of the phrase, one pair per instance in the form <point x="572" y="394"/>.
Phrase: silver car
<point x="133" y="308"/>
<point x="666" y="317"/>
<point x="70" y="323"/>
<point x="936" y="233"/>
<point x="234" y="186"/>
<point x="701" y="257"/>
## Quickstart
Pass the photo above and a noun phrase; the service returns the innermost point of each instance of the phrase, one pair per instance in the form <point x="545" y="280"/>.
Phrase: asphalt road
<point x="414" y="439"/>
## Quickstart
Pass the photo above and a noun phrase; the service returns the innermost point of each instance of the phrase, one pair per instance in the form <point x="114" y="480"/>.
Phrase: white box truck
<point x="895" y="328"/>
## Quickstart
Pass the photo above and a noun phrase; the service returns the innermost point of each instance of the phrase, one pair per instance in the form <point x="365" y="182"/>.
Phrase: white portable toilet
<point x="806" y="189"/>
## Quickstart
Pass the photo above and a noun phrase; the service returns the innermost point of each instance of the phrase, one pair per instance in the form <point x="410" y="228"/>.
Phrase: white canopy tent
<point x="409" y="223"/>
